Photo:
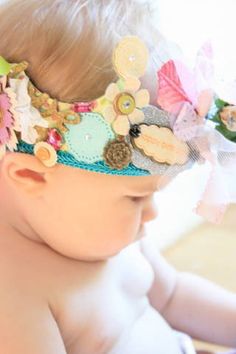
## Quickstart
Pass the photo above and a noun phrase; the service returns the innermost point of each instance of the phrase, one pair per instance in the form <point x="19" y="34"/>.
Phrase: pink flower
<point x="8" y="118"/>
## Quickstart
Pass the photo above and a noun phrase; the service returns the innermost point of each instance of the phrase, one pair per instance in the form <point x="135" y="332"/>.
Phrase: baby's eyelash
<point x="137" y="199"/>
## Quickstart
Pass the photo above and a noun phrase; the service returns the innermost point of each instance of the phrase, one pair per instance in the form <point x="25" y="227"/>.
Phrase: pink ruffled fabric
<point x="220" y="188"/>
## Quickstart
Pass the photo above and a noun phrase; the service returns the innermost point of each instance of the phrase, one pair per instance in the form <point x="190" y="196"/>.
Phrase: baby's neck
<point x="18" y="230"/>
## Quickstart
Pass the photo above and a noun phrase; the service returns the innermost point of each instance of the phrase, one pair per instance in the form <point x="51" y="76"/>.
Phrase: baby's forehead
<point x="121" y="183"/>
<point x="137" y="184"/>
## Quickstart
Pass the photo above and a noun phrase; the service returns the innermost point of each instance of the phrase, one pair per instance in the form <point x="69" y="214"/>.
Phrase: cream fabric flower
<point x="29" y="116"/>
<point x="125" y="105"/>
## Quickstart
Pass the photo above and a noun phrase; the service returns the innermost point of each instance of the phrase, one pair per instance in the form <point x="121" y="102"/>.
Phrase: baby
<point x="77" y="274"/>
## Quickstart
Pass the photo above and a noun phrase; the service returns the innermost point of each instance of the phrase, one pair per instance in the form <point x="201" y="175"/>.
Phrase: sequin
<point x="55" y="138"/>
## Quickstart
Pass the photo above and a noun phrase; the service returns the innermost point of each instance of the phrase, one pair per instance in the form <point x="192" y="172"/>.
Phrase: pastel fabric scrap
<point x="29" y="116"/>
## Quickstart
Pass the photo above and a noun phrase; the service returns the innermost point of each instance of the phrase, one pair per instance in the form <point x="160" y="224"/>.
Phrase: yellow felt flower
<point x="228" y="117"/>
<point x="130" y="57"/>
<point x="124" y="105"/>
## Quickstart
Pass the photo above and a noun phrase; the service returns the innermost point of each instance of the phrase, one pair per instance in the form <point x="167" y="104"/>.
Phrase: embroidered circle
<point x="86" y="141"/>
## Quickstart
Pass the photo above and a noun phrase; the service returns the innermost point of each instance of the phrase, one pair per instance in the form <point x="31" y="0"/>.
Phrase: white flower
<point x="29" y="116"/>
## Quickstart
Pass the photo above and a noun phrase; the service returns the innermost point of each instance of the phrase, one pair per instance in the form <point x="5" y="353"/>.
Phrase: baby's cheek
<point x="128" y="227"/>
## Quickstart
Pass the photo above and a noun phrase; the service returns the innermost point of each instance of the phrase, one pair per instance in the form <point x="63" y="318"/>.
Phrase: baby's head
<point x="80" y="214"/>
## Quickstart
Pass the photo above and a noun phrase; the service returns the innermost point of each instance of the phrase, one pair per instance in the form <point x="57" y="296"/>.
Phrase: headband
<point x="121" y="133"/>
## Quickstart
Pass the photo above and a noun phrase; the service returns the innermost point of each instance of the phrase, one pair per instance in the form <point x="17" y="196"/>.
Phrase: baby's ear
<point x="26" y="172"/>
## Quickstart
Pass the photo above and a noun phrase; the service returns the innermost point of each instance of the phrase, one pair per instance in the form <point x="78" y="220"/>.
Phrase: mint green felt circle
<point x="98" y="133"/>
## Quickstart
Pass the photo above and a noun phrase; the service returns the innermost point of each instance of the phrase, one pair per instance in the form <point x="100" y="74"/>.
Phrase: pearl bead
<point x="88" y="136"/>
<point x="132" y="58"/>
<point x="126" y="104"/>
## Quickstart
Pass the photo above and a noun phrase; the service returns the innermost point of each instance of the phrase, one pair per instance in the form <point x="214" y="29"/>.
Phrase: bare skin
<point x="76" y="279"/>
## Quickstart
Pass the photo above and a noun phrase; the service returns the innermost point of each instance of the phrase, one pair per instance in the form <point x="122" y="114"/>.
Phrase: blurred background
<point x="190" y="23"/>
<point x="189" y="243"/>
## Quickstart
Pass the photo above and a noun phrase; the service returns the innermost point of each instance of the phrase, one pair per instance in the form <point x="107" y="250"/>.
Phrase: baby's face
<point x="91" y="216"/>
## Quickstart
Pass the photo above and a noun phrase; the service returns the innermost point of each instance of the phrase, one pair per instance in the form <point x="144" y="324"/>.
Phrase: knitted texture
<point x="99" y="166"/>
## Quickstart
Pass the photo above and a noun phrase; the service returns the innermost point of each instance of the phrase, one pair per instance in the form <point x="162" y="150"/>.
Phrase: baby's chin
<point x="103" y="254"/>
<point x="142" y="233"/>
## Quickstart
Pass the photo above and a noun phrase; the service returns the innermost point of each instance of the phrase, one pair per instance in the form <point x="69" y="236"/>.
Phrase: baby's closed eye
<point x="138" y="199"/>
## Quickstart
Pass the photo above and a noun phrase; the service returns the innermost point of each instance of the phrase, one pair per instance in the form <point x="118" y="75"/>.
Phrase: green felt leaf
<point x="227" y="133"/>
<point x="5" y="67"/>
<point x="220" y="103"/>
<point x="216" y="118"/>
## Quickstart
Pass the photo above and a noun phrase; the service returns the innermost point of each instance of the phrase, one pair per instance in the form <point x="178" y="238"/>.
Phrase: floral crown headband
<point x="121" y="133"/>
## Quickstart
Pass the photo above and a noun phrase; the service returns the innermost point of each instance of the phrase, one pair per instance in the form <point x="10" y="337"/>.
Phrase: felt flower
<point x="130" y="57"/>
<point x="228" y="117"/>
<point x="125" y="101"/>
<point x="9" y="121"/>
<point x="29" y="116"/>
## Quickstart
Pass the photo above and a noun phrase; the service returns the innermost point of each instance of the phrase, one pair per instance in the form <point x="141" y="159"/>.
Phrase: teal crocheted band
<point x="68" y="159"/>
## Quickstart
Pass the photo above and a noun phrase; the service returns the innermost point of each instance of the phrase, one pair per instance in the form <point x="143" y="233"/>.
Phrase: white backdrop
<point x="191" y="22"/>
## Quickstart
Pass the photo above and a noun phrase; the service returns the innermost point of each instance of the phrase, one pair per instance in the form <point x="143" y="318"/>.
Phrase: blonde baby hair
<point x="69" y="43"/>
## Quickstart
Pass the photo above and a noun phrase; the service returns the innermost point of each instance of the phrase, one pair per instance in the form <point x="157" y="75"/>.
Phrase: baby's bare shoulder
<point x="37" y="284"/>
<point x="48" y="288"/>
<point x="35" y="268"/>
<point x="26" y="276"/>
